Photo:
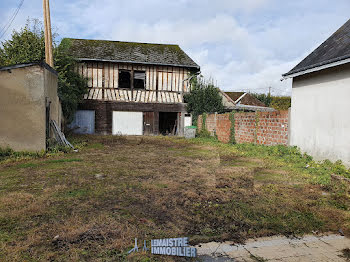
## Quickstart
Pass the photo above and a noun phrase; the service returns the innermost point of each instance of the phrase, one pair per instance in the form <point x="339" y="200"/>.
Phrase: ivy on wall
<point x="232" y="129"/>
<point x="204" y="132"/>
<point x="204" y="120"/>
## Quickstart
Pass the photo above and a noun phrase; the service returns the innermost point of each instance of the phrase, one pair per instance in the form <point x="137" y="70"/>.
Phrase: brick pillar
<point x="101" y="119"/>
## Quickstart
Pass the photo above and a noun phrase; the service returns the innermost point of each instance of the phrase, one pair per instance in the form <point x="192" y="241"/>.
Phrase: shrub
<point x="203" y="98"/>
<point x="280" y="102"/>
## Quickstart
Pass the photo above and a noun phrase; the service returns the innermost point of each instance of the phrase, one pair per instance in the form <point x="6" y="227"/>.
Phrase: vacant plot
<point x="90" y="205"/>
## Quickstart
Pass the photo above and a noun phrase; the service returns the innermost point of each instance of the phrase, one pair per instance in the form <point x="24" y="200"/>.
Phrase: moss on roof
<point x="131" y="52"/>
<point x="234" y="95"/>
<point x="248" y="99"/>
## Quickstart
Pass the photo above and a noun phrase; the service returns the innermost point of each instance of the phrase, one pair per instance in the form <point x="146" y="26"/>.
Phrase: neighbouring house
<point x="28" y="103"/>
<point x="134" y="88"/>
<point x="320" y="121"/>
<point x="242" y="101"/>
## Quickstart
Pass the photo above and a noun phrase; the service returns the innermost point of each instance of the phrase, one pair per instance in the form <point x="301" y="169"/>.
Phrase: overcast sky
<point x="244" y="45"/>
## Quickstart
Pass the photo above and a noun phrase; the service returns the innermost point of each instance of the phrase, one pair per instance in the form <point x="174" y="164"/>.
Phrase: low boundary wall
<point x="265" y="128"/>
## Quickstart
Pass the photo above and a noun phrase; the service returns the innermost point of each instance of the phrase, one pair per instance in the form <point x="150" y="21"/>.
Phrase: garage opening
<point x="168" y="123"/>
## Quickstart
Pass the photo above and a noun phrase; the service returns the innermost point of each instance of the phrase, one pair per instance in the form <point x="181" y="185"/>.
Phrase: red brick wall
<point x="223" y="127"/>
<point x="267" y="128"/>
<point x="199" y="122"/>
<point x="245" y="127"/>
<point x="210" y="123"/>
<point x="273" y="128"/>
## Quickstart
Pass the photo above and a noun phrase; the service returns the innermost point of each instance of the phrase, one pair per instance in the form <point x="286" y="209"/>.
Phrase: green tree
<point x="28" y="45"/>
<point x="71" y="85"/>
<point x="203" y="98"/>
<point x="276" y="102"/>
<point x="281" y="102"/>
<point x="25" y="45"/>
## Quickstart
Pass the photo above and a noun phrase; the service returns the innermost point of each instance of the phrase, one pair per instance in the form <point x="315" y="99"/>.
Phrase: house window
<point x="139" y="79"/>
<point x="124" y="79"/>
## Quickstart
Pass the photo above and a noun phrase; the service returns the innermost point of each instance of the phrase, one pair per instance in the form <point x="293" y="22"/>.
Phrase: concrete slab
<point x="278" y="248"/>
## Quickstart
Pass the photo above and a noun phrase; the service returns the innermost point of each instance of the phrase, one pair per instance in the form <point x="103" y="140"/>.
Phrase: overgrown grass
<point x="96" y="201"/>
<point x="319" y="171"/>
<point x="53" y="150"/>
<point x="8" y="153"/>
<point x="346" y="253"/>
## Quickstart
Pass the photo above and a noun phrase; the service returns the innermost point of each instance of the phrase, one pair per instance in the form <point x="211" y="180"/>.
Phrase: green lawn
<point x="90" y="205"/>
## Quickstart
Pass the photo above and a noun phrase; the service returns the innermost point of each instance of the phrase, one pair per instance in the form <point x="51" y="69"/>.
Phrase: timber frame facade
<point x="134" y="77"/>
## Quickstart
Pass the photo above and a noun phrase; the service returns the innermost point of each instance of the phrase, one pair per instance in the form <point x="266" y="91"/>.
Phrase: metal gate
<point x="84" y="122"/>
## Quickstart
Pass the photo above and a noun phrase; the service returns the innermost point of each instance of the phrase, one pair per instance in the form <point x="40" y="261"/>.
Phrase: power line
<point x="8" y="24"/>
<point x="12" y="18"/>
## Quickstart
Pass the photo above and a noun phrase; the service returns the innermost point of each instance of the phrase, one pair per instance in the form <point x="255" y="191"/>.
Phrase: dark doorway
<point x="47" y="118"/>
<point x="168" y="123"/>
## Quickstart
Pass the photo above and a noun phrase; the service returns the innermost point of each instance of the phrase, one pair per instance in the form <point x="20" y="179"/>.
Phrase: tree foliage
<point x="28" y="45"/>
<point x="281" y="102"/>
<point x="203" y="98"/>
<point x="71" y="86"/>
<point x="276" y="102"/>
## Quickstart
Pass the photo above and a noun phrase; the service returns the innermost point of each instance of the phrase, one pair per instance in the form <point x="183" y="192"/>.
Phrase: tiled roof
<point x="248" y="99"/>
<point x="130" y="52"/>
<point x="335" y="48"/>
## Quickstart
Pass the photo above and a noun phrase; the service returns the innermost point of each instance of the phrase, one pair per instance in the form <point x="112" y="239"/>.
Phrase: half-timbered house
<point x="134" y="88"/>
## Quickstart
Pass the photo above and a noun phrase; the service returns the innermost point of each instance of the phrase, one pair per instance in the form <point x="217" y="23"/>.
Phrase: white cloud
<point x="244" y="45"/>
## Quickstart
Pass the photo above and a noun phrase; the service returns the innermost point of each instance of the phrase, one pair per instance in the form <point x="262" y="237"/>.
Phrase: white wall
<point x="320" y="114"/>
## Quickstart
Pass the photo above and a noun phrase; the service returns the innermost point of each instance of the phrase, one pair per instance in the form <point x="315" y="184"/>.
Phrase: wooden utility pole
<point x="48" y="34"/>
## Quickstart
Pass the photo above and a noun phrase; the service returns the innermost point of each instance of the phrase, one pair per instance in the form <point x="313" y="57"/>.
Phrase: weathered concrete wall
<point x="22" y="107"/>
<point x="320" y="114"/>
<point x="50" y="84"/>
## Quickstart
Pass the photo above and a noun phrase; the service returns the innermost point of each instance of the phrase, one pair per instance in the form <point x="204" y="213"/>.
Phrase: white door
<point x="188" y="120"/>
<point x="127" y="123"/>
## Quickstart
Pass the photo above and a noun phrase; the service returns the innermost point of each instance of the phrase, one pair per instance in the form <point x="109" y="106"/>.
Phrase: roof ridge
<point x="329" y="51"/>
<point x="116" y="41"/>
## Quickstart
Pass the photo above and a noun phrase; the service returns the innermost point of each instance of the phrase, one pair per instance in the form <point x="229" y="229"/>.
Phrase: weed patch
<point x="346" y="253"/>
<point x="69" y="160"/>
